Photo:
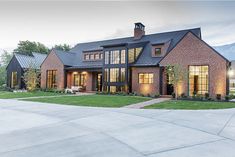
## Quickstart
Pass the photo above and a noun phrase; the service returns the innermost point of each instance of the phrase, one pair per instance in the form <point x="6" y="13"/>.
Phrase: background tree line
<point x="26" y="48"/>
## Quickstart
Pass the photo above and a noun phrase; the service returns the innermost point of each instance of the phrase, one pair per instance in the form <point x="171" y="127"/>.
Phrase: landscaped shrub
<point x="148" y="95"/>
<point x="227" y="97"/>
<point x="207" y="95"/>
<point x="157" y="95"/>
<point x="173" y="95"/>
<point x="218" y="96"/>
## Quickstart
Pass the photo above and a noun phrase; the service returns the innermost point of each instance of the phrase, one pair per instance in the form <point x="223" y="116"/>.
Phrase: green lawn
<point x="191" y="105"/>
<point x="94" y="100"/>
<point x="10" y="95"/>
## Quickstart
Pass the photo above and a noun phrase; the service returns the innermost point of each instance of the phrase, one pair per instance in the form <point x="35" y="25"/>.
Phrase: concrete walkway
<point x="233" y="100"/>
<point x="30" y="129"/>
<point x="147" y="103"/>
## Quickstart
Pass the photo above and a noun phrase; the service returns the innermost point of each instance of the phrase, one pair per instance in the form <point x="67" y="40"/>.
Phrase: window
<point x="133" y="54"/>
<point x="106" y="75"/>
<point x="198" y="80"/>
<point x="113" y="89"/>
<point x="137" y="52"/>
<point x="14" y="79"/>
<point x="123" y="74"/>
<point x="101" y="55"/>
<point x="86" y="57"/>
<point x="51" y="79"/>
<point x="106" y="59"/>
<point x="97" y="56"/>
<point x="76" y="79"/>
<point x="83" y="80"/>
<point x="92" y="57"/>
<point x="114" y="57"/>
<point x="114" y="74"/>
<point x="157" y="51"/>
<point x="123" y="56"/>
<point x="145" y="78"/>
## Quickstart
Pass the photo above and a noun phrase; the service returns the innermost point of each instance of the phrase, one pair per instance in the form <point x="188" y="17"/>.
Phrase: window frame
<point x="149" y="79"/>
<point x="51" y="81"/>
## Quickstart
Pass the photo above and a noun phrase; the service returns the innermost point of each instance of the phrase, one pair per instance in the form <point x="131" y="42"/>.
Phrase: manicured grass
<point x="94" y="100"/>
<point x="191" y="105"/>
<point x="10" y="95"/>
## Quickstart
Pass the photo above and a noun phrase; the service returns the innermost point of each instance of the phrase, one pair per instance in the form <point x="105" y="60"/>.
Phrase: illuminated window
<point x="123" y="56"/>
<point x="137" y="52"/>
<point x="51" y="79"/>
<point x="83" y="80"/>
<point x="86" y="57"/>
<point x="145" y="78"/>
<point x="198" y="80"/>
<point x="76" y="79"/>
<point x="113" y="89"/>
<point x="157" y="51"/>
<point x="133" y="54"/>
<point x="97" y="56"/>
<point x="92" y="57"/>
<point x="101" y="55"/>
<point x="114" y="57"/>
<point x="123" y="74"/>
<point x="106" y="59"/>
<point x="14" y="79"/>
<point x="106" y="75"/>
<point x="114" y="74"/>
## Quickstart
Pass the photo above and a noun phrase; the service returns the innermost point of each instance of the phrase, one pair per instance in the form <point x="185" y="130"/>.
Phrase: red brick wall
<point x="145" y="88"/>
<point x="52" y="62"/>
<point x="193" y="51"/>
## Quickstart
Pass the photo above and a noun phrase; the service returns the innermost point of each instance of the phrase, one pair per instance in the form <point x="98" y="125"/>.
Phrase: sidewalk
<point x="147" y="103"/>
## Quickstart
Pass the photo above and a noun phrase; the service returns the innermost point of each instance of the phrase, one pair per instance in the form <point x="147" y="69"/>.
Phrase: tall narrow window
<point x="114" y="57"/>
<point x="106" y="75"/>
<point x="123" y="56"/>
<point x="198" y="80"/>
<point x="83" y="79"/>
<point x="114" y="74"/>
<point x="145" y="78"/>
<point x="97" y="56"/>
<point x="51" y="79"/>
<point x="76" y="78"/>
<point x="14" y="79"/>
<point x="131" y="55"/>
<point x="123" y="74"/>
<point x="106" y="57"/>
<point x="137" y="52"/>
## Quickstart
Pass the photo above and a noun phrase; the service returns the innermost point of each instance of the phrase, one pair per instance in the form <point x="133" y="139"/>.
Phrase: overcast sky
<point x="73" y="22"/>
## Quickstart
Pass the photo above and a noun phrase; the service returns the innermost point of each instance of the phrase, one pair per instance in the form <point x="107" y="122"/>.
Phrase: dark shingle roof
<point x="75" y="56"/>
<point x="26" y="61"/>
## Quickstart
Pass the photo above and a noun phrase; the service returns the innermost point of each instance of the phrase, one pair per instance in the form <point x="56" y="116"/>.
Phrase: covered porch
<point x="89" y="80"/>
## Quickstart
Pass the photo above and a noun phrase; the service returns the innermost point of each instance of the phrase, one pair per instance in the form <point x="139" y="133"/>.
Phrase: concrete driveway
<point x="29" y="129"/>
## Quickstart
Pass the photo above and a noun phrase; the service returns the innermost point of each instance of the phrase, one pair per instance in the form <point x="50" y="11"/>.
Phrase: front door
<point x="170" y="87"/>
<point x="99" y="82"/>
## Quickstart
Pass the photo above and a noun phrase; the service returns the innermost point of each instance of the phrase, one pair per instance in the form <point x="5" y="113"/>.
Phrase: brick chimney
<point x="139" y="31"/>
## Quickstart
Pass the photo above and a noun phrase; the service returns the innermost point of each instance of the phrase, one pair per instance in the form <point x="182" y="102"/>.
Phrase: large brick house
<point x="137" y="64"/>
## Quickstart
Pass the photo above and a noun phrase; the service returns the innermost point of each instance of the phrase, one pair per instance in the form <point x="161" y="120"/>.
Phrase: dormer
<point x="160" y="49"/>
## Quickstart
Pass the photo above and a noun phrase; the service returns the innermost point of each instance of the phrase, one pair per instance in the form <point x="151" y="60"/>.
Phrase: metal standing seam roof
<point x="27" y="61"/>
<point x="74" y="57"/>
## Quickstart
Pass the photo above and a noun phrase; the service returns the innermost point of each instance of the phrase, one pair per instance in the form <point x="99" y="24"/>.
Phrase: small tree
<point x="31" y="78"/>
<point x="177" y="74"/>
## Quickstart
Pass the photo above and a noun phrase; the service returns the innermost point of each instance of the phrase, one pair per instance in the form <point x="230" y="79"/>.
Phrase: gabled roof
<point x="26" y="61"/>
<point x="75" y="56"/>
